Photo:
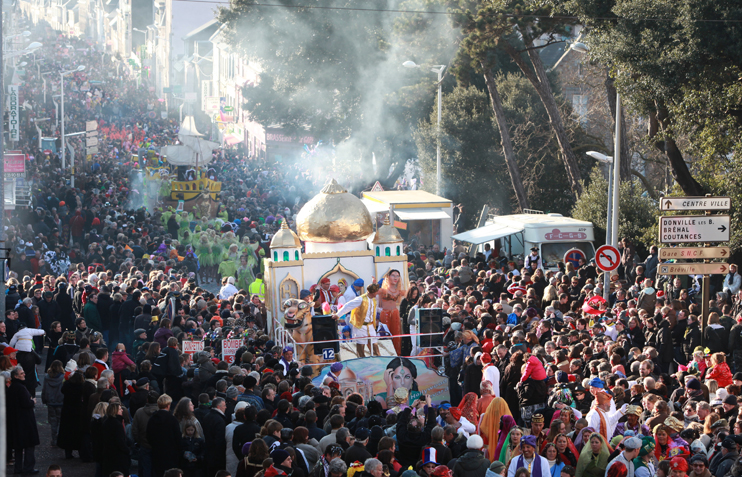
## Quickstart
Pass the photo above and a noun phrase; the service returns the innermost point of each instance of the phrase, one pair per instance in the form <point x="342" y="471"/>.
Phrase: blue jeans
<point x="145" y="462"/>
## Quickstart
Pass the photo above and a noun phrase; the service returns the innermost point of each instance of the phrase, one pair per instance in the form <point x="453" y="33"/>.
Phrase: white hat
<point x="474" y="442"/>
<point x="71" y="366"/>
<point x="230" y="280"/>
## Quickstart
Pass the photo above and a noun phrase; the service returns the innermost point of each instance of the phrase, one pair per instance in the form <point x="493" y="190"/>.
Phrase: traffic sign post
<point x="694" y="228"/>
<point x="607" y="258"/>
<point x="574" y="255"/>
<point x="704" y="229"/>
<point x="695" y="203"/>
<point x="687" y="253"/>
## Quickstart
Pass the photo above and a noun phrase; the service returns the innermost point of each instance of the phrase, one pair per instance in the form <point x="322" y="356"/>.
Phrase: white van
<point x="552" y="234"/>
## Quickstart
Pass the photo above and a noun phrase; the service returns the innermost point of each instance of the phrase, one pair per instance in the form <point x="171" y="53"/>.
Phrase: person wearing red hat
<point x="322" y="295"/>
<point x="679" y="467"/>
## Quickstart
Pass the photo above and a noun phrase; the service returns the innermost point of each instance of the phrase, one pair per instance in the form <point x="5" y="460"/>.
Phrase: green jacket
<point x="257" y="288"/>
<point x="92" y="317"/>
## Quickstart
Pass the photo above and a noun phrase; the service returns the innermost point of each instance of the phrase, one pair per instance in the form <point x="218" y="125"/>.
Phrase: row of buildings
<point x="178" y="48"/>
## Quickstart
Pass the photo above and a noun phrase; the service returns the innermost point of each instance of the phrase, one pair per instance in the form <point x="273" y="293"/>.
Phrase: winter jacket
<point x="721" y="373"/>
<point x="139" y="425"/>
<point x="647" y="299"/>
<point x="92" y="317"/>
<point x="664" y="341"/>
<point x="471" y="464"/>
<point x="120" y="360"/>
<point x="51" y="391"/>
<point x="691" y="340"/>
<point x="716" y="338"/>
<point x="161" y="336"/>
<point x="534" y="369"/>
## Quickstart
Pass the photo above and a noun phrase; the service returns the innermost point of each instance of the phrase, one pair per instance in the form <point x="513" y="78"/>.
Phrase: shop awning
<point x="487" y="233"/>
<point x="374" y="207"/>
<point x="434" y="213"/>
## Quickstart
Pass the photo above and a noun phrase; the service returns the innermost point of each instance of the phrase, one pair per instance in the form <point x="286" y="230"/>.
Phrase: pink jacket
<point x="120" y="361"/>
<point x="534" y="369"/>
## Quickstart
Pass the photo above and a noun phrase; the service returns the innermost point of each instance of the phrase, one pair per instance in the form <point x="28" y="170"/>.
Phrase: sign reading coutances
<point x="694" y="228"/>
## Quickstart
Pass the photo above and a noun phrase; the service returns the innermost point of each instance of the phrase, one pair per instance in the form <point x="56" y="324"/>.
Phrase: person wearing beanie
<point x="632" y="445"/>
<point x="358" y="451"/>
<point x="538" y="466"/>
<point x="472" y="463"/>
<point x="334" y="373"/>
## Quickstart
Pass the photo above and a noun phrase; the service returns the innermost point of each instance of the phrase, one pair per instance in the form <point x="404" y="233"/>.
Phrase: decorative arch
<point x="339" y="268"/>
<point x="296" y="255"/>
<point x="275" y="256"/>
<point x="288" y="288"/>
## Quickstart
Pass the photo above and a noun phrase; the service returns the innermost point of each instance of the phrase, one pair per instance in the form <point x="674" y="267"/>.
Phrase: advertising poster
<point x="191" y="347"/>
<point x="379" y="376"/>
<point x="229" y="348"/>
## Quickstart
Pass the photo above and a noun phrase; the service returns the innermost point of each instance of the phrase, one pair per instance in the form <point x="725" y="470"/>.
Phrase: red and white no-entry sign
<point x="607" y="258"/>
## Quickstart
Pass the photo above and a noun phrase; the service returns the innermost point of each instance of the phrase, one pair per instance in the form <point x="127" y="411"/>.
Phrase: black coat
<point x="214" y="425"/>
<point x="22" y="430"/>
<point x="243" y="433"/>
<point x="104" y="309"/>
<point x="71" y="426"/>
<point x="116" y="454"/>
<point x="691" y="340"/>
<point x="25" y="316"/>
<point x="50" y="312"/>
<point x="163" y="434"/>
<point x="665" y="352"/>
<point x="356" y="452"/>
<point x="65" y="305"/>
<point x="126" y="316"/>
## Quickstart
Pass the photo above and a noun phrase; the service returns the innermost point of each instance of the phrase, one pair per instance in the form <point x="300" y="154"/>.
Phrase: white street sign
<point x="14" y="117"/>
<point x="93" y="150"/>
<point x="693" y="269"/>
<point x="91" y="141"/>
<point x="695" y="203"/>
<point x="91" y="125"/>
<point x="694" y="228"/>
<point x="679" y="253"/>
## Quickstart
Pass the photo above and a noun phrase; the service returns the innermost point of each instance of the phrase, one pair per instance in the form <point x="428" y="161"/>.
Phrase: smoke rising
<point x="339" y="74"/>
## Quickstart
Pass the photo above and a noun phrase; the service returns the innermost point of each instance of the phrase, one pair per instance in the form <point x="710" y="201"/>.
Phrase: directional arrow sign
<point x="693" y="269"/>
<point x="91" y="141"/>
<point x="695" y="203"/>
<point x="694" y="228"/>
<point x="679" y="253"/>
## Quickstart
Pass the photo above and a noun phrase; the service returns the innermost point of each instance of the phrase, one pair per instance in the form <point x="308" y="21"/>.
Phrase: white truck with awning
<point x="415" y="213"/>
<point x="556" y="237"/>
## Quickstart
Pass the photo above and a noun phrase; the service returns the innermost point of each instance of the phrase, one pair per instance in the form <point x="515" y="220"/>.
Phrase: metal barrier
<point x="283" y="338"/>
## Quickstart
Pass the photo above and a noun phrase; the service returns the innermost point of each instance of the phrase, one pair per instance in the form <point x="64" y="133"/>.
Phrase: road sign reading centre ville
<point x="694" y="228"/>
<point x="693" y="252"/>
<point x="693" y="269"/>
<point x="695" y="203"/>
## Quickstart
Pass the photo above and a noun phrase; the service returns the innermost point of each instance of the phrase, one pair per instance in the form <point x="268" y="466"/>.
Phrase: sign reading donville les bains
<point x="694" y="228"/>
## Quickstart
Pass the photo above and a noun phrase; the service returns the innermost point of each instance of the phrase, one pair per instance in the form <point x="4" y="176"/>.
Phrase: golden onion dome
<point x="387" y="233"/>
<point x="285" y="238"/>
<point x="334" y="215"/>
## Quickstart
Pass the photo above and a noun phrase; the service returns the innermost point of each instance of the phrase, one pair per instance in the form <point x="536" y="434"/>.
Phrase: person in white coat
<point x="26" y="356"/>
<point x="232" y="460"/>
<point x="732" y="281"/>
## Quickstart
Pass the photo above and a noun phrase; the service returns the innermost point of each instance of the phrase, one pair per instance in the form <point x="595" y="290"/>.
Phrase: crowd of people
<point x="545" y="377"/>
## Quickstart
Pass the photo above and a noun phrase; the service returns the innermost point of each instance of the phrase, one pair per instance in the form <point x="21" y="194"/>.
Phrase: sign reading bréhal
<point x="695" y="203"/>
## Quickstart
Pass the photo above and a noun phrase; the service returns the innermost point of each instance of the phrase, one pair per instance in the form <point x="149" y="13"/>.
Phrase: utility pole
<point x="3" y="252"/>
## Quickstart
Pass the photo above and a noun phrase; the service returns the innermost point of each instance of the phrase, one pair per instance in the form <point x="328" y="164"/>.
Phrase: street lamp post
<point x="612" y="211"/>
<point x="61" y="78"/>
<point x="438" y="69"/>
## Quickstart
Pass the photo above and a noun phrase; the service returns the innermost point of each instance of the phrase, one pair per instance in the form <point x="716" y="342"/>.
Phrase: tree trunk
<point x="507" y="144"/>
<point x="667" y="145"/>
<point x="539" y="80"/>
<point x="625" y="166"/>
